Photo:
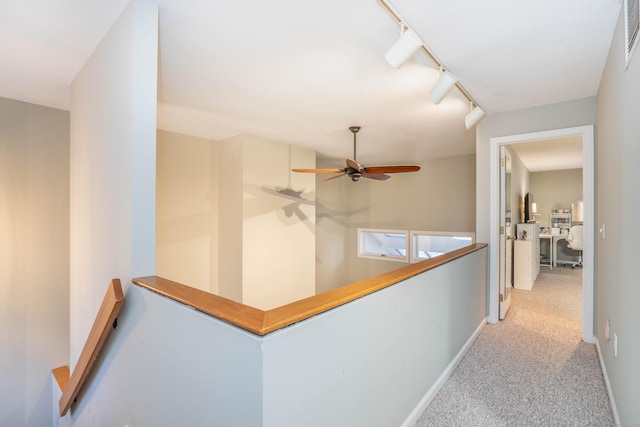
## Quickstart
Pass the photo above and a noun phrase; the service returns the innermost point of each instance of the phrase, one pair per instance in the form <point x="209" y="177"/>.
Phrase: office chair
<point x="574" y="241"/>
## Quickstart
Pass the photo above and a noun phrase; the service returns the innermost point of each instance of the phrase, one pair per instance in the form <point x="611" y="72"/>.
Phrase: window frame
<point x="417" y="233"/>
<point x="382" y="256"/>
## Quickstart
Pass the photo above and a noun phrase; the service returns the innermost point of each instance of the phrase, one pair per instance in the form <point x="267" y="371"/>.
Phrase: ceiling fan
<point x="355" y="170"/>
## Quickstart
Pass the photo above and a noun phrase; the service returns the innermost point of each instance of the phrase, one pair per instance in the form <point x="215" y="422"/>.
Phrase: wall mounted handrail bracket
<point x="102" y="326"/>
<point x="61" y="375"/>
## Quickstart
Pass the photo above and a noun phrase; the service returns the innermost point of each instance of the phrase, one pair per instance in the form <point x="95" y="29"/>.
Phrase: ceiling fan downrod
<point x="354" y="130"/>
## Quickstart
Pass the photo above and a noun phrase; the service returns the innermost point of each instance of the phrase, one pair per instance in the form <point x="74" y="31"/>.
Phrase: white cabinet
<point x="532" y="231"/>
<point x="524" y="264"/>
<point x="526" y="255"/>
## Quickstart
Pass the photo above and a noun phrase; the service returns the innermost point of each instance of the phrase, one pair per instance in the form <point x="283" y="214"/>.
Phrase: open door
<point x="506" y="234"/>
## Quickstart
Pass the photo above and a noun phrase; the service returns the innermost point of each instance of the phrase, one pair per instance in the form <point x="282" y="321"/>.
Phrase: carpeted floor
<point x="530" y="369"/>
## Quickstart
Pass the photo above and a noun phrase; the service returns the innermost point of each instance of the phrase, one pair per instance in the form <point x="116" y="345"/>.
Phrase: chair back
<point x="575" y="238"/>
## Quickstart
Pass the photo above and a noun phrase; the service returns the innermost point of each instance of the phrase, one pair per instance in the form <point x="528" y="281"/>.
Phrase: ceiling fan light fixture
<point x="408" y="43"/>
<point x="355" y="170"/>
<point x="443" y="86"/>
<point x="473" y="117"/>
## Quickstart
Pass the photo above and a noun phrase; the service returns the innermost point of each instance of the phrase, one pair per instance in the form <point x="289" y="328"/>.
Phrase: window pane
<point x="431" y="244"/>
<point x="380" y="243"/>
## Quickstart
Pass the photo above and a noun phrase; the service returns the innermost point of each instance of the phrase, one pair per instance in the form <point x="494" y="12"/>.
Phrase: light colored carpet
<point x="530" y="369"/>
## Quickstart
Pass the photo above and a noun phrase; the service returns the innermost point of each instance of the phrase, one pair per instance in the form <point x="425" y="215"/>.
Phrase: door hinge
<point x="501" y="298"/>
<point x="502" y="162"/>
<point x="502" y="229"/>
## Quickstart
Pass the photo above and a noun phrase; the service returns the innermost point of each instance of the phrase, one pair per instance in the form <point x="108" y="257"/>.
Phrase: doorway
<point x="588" y="188"/>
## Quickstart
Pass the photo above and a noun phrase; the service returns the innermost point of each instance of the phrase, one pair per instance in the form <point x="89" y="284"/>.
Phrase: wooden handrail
<point x="109" y="309"/>
<point x="262" y="322"/>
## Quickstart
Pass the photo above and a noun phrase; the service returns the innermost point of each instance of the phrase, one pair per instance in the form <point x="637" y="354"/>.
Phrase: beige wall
<point x="34" y="258"/>
<point x="618" y="204"/>
<point x="278" y="229"/>
<point x="555" y="190"/>
<point x="184" y="234"/>
<point x="550" y="189"/>
<point x="230" y="221"/>
<point x="230" y="195"/>
<point x="333" y="214"/>
<point x="269" y="246"/>
<point x="440" y="197"/>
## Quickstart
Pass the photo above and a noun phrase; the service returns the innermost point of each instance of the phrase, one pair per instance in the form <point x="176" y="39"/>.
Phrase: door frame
<point x="504" y="238"/>
<point x="588" y="198"/>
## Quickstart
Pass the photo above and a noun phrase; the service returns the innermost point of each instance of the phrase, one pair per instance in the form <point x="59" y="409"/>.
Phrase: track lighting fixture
<point x="408" y="43"/>
<point x="443" y="86"/>
<point x="473" y="117"/>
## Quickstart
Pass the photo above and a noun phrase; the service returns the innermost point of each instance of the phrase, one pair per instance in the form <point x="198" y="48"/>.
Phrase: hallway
<point x="530" y="369"/>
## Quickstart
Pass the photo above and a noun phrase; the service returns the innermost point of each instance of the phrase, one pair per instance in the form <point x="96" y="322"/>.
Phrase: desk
<point x="553" y="242"/>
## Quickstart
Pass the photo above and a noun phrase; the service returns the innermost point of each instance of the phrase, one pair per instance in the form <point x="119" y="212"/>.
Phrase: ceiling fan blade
<point x="378" y="176"/>
<point x="391" y="169"/>
<point x="354" y="165"/>
<point x="318" y="170"/>
<point x="337" y="176"/>
<point x="355" y="170"/>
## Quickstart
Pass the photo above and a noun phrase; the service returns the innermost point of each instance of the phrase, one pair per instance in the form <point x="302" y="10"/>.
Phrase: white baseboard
<point x="435" y="388"/>
<point x="614" y="408"/>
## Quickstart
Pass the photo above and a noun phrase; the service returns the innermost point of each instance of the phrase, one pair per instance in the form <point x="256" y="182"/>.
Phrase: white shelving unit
<point x="561" y="220"/>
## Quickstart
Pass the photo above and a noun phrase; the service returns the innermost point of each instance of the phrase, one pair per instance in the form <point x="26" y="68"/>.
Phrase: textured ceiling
<point x="302" y="72"/>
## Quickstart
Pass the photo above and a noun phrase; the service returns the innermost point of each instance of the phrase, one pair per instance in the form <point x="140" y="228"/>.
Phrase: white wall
<point x="349" y="366"/>
<point x="370" y="362"/>
<point x="169" y="365"/>
<point x="618" y="204"/>
<point x="34" y="258"/>
<point x="113" y="128"/>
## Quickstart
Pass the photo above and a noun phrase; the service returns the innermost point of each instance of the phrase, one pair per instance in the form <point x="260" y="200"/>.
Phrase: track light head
<point x="443" y="86"/>
<point x="473" y="117"/>
<point x="408" y="43"/>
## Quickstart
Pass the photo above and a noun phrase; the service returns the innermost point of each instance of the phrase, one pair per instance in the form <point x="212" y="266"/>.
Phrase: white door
<point x="507" y="218"/>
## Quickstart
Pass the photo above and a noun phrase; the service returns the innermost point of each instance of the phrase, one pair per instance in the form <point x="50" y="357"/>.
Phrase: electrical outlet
<point x="615" y="344"/>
